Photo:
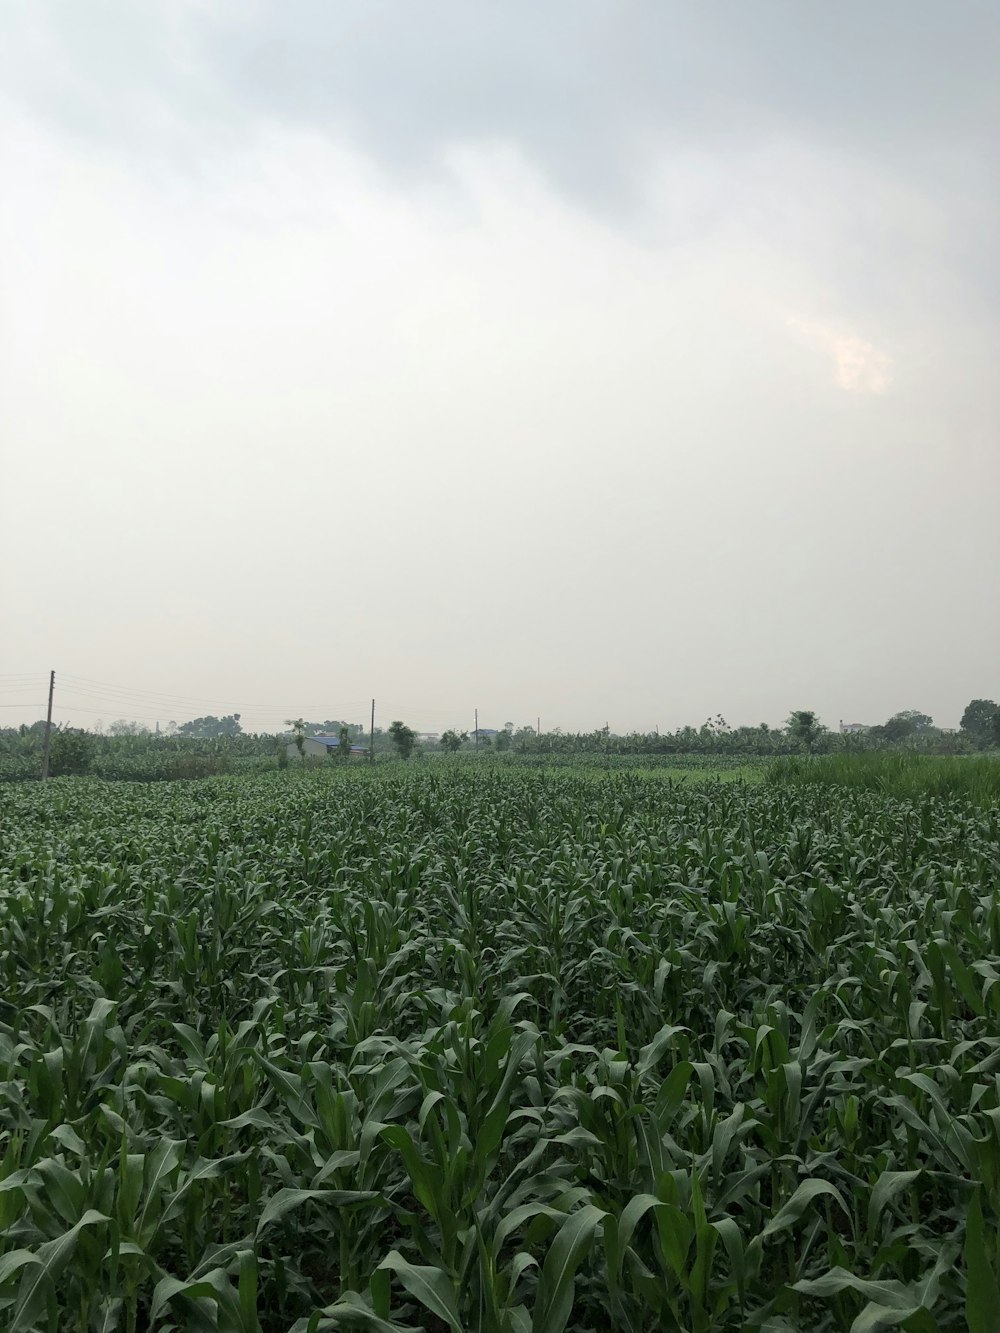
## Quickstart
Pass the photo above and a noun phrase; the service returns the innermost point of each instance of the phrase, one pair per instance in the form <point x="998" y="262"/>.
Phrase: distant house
<point x="851" y="728"/>
<point x="484" y="731"/>
<point x="318" y="747"/>
<point x="426" y="737"/>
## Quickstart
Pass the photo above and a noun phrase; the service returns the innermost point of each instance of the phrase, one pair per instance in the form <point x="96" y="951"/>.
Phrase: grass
<point x="976" y="777"/>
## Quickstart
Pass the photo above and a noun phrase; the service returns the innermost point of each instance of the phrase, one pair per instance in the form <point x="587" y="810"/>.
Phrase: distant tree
<point x="805" y="728"/>
<point x="344" y="737"/>
<point x="122" y="727"/>
<point x="981" y="722"/>
<point x="298" y="727"/>
<point x="902" y="726"/>
<point x="210" y="727"/>
<point x="331" y="727"/>
<point x="403" y="738"/>
<point x="502" y="740"/>
<point x="451" y="740"/>
<point x="70" y="752"/>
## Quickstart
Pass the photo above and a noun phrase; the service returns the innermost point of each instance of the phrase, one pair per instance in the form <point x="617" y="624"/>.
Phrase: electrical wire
<point x="104" y="689"/>
<point x="86" y="694"/>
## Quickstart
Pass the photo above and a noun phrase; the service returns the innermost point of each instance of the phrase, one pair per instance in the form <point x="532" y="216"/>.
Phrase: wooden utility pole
<point x="48" y="727"/>
<point x="476" y="732"/>
<point x="371" y="743"/>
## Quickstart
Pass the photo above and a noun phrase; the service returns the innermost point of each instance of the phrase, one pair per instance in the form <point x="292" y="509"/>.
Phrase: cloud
<point x="858" y="365"/>
<point x="590" y="99"/>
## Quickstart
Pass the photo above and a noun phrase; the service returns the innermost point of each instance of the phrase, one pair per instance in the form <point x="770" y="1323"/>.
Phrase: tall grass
<point x="976" y="777"/>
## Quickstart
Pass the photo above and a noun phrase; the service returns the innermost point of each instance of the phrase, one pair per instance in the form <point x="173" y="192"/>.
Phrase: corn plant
<point x="497" y="1048"/>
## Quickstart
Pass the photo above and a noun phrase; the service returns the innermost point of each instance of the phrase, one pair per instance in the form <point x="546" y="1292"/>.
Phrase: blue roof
<point x="329" y="741"/>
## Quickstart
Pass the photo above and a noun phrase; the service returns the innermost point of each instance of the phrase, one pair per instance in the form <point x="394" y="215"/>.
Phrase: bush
<point x="70" y="753"/>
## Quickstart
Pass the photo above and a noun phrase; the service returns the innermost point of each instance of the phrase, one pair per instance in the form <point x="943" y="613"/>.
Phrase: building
<point x="852" y="728"/>
<point x="318" y="747"/>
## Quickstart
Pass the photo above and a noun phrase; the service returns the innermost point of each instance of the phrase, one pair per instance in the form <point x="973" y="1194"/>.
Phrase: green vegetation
<point x="900" y="774"/>
<point x="127" y="751"/>
<point x="136" y="757"/>
<point x="403" y="738"/>
<point x="981" y="723"/>
<point x="805" y="729"/>
<point x="494" y="1048"/>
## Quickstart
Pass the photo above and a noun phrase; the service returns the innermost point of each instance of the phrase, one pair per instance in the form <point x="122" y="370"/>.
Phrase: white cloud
<point x="858" y="365"/>
<point x="861" y="367"/>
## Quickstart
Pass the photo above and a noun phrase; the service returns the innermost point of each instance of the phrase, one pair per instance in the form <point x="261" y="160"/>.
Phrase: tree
<point x="804" y="727"/>
<point x="70" y="753"/>
<point x="403" y="738"/>
<point x="901" y="726"/>
<point x="207" y="728"/>
<point x="122" y="727"/>
<point x="452" y="741"/>
<point x="298" y="727"/>
<point x="344" y="737"/>
<point x="981" y="722"/>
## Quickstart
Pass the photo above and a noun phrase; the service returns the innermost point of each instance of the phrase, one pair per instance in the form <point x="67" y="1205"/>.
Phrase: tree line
<point x="209" y="745"/>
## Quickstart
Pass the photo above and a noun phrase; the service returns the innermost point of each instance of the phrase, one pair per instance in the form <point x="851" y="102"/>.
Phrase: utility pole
<point x="476" y="732"/>
<point x="371" y="744"/>
<point x="48" y="727"/>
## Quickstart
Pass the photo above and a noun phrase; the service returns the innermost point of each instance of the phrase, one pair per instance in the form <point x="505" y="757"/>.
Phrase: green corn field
<point x="498" y="1049"/>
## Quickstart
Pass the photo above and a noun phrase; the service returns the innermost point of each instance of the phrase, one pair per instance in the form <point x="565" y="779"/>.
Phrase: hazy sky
<point x="621" y="362"/>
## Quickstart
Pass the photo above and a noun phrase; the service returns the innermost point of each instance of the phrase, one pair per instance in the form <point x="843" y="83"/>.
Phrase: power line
<point x="82" y="708"/>
<point x="103" y="689"/>
<point x="69" y="703"/>
<point x="88" y="686"/>
<point x="86" y="694"/>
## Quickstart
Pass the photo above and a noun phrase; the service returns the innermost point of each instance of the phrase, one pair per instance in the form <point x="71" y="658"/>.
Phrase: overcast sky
<point x="621" y="362"/>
